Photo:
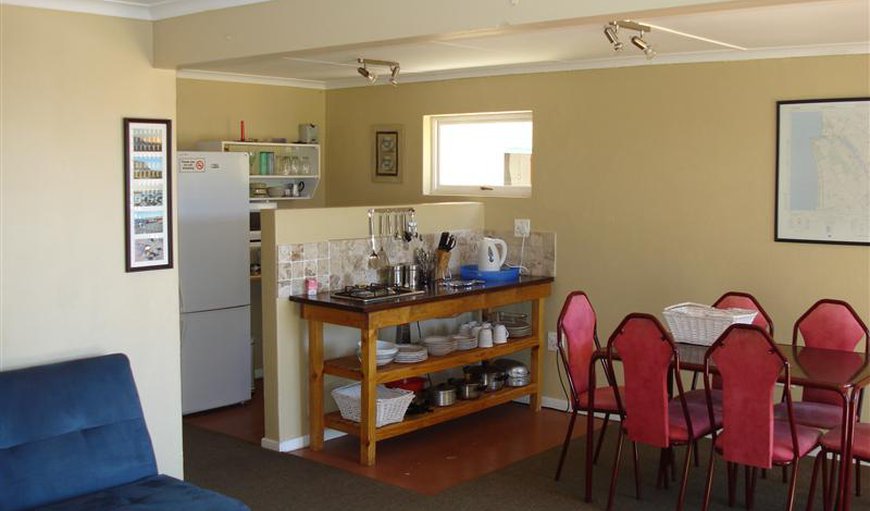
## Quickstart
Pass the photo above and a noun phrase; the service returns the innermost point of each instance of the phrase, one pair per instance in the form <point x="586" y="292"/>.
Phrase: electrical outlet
<point x="552" y="343"/>
<point x="522" y="227"/>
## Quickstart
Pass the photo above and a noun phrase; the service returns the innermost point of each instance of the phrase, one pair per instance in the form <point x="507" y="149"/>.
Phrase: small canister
<point x="396" y="275"/>
<point x="412" y="276"/>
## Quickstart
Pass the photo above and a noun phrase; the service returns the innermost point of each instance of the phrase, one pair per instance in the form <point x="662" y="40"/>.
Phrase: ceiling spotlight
<point x="642" y="45"/>
<point x="610" y="32"/>
<point x="371" y="76"/>
<point x="365" y="73"/>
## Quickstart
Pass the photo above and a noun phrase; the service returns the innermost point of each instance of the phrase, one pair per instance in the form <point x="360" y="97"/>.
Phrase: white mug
<point x="500" y="334"/>
<point x="475" y="331"/>
<point x="484" y="339"/>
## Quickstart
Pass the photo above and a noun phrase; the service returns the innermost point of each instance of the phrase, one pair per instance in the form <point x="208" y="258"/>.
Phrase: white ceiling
<point x="822" y="27"/>
<point x="786" y="29"/>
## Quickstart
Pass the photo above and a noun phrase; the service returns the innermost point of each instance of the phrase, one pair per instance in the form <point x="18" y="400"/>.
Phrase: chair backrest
<point x="578" y="340"/>
<point x="68" y="429"/>
<point x="834" y="325"/>
<point x="741" y="300"/>
<point x="647" y="352"/>
<point x="750" y="365"/>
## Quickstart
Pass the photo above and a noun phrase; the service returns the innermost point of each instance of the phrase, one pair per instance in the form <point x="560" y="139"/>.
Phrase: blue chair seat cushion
<point x="160" y="492"/>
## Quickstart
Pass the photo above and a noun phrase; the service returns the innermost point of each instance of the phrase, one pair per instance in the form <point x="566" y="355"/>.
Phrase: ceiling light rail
<point x="611" y="32"/>
<point x="371" y="76"/>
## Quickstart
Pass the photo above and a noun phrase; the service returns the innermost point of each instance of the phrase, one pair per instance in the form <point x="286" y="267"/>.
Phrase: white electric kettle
<point x="490" y="256"/>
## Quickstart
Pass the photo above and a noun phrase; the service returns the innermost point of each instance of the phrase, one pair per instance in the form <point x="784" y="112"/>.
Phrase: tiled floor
<point x="426" y="461"/>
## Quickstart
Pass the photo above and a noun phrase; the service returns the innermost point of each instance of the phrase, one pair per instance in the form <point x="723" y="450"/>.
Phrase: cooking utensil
<point x="466" y="391"/>
<point x="374" y="254"/>
<point x="513" y="368"/>
<point x="443" y="394"/>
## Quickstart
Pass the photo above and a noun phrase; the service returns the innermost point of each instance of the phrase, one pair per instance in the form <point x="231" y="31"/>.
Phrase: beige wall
<point x="658" y="180"/>
<point x="67" y="82"/>
<point x="210" y="110"/>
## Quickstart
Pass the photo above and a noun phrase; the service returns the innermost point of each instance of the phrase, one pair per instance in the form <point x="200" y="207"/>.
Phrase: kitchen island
<point x="438" y="303"/>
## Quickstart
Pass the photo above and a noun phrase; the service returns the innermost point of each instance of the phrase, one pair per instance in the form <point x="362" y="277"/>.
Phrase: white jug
<point x="490" y="257"/>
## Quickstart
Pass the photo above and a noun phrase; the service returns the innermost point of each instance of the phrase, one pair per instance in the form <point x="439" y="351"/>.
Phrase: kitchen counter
<point x="438" y="303"/>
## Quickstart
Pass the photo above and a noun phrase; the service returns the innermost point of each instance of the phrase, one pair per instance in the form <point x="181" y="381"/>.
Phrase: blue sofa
<point x="73" y="437"/>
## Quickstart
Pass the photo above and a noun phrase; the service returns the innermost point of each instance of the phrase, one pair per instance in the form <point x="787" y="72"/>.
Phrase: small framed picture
<point x="387" y="153"/>
<point x="147" y="194"/>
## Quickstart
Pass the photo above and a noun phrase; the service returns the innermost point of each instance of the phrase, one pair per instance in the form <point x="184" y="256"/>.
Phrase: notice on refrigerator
<point x="191" y="165"/>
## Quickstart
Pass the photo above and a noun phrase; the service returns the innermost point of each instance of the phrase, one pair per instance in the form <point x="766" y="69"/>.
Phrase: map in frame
<point x="823" y="171"/>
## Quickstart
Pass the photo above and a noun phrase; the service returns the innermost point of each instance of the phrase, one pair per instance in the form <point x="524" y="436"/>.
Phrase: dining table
<point x="844" y="372"/>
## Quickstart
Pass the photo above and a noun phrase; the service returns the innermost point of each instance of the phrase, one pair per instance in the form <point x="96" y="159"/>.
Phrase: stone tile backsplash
<point x="339" y="263"/>
<point x="298" y="261"/>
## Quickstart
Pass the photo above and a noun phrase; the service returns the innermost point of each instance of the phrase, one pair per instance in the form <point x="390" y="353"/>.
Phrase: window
<point x="484" y="154"/>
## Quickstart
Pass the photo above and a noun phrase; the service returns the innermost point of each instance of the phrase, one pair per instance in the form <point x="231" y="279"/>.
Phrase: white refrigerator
<point x="214" y="274"/>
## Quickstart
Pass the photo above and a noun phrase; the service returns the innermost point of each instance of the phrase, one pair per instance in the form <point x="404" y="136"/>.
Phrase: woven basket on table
<point x="391" y="403"/>
<point x="695" y="323"/>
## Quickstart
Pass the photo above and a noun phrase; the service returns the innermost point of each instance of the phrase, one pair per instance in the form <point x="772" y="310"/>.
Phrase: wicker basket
<point x="694" y="323"/>
<point x="391" y="403"/>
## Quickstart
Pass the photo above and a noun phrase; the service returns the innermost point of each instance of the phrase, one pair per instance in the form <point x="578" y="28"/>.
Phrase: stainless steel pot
<point x="496" y="383"/>
<point x="483" y="374"/>
<point x="466" y="391"/>
<point x="513" y="368"/>
<point x="443" y="394"/>
<point x="518" y="381"/>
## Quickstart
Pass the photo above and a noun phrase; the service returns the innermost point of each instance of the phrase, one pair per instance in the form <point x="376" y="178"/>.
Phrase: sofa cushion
<point x="68" y="429"/>
<point x="160" y="492"/>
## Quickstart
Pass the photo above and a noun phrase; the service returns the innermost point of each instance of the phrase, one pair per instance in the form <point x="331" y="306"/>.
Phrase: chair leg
<point x="660" y="477"/>
<point x="590" y="420"/>
<point x="750" y="485"/>
<point x="812" y="493"/>
<point x="601" y="438"/>
<point x="636" y="471"/>
<point x="784" y="474"/>
<point x="708" y="488"/>
<point x="565" y="444"/>
<point x="857" y="478"/>
<point x="682" y="497"/>
<point x="695" y="453"/>
<point x="732" y="484"/>
<point x="792" y="485"/>
<point x="615" y="475"/>
<point x="673" y="461"/>
<point x="747" y="486"/>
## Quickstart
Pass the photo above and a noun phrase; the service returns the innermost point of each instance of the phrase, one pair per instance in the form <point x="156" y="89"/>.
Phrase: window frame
<point x="431" y="185"/>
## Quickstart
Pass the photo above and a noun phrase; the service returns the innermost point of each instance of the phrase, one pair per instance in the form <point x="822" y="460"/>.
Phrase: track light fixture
<point x="643" y="46"/>
<point x="611" y="31"/>
<point x="371" y="76"/>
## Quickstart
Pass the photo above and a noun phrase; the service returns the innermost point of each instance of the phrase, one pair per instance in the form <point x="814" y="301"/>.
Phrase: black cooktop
<point x="369" y="293"/>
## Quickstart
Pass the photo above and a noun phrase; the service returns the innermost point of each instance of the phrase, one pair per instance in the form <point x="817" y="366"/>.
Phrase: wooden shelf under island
<point x="438" y="303"/>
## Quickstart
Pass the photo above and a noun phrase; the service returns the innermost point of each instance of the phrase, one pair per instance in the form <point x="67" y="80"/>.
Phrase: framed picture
<point x="387" y="153"/>
<point x="147" y="194"/>
<point x="823" y="171"/>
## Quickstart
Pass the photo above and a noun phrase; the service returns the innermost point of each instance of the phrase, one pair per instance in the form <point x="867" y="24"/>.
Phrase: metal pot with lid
<point x="513" y="368"/>
<point x="483" y="374"/>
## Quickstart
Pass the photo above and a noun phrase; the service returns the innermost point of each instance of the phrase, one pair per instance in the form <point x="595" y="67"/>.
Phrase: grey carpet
<point x="267" y="481"/>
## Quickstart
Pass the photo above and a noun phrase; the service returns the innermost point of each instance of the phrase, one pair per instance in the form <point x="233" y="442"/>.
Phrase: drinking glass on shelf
<point x="305" y="167"/>
<point x="295" y="165"/>
<point x="286" y="166"/>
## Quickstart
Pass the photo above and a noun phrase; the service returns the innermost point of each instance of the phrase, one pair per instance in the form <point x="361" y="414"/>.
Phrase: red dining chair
<point x="731" y="300"/>
<point x="578" y="341"/>
<point x="750" y="365"/>
<point x="832" y="444"/>
<point x="649" y="415"/>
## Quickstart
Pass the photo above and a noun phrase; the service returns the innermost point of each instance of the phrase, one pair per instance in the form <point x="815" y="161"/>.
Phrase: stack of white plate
<point x="386" y="352"/>
<point x="411" y="353"/>
<point x="518" y="328"/>
<point x="464" y="342"/>
<point x="439" y="345"/>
